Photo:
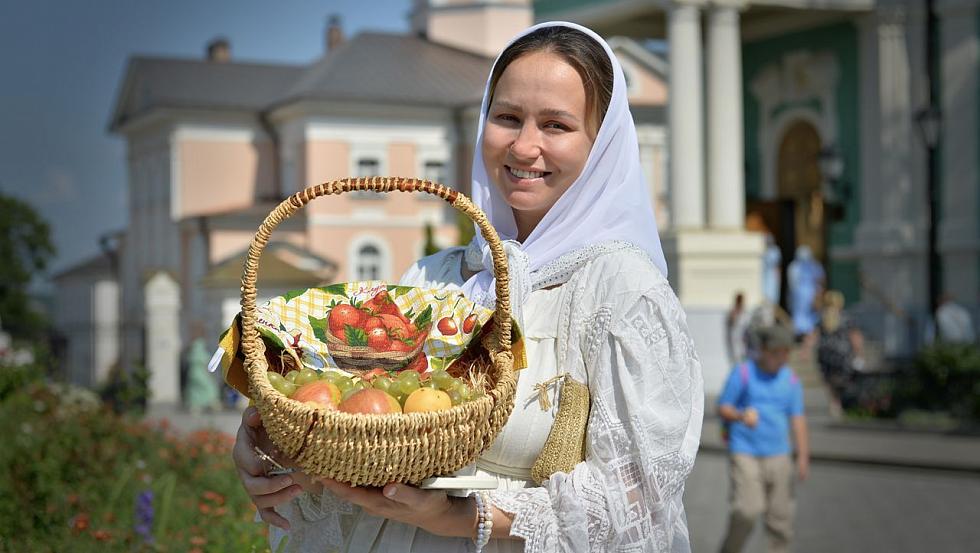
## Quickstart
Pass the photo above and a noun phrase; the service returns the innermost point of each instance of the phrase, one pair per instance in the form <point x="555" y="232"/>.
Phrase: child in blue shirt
<point x="761" y="402"/>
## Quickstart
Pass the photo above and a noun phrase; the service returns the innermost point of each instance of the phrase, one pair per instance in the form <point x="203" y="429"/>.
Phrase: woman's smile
<point x="526" y="177"/>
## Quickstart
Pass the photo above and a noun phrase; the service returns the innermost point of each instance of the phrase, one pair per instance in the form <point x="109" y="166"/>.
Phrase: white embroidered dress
<point x="607" y="316"/>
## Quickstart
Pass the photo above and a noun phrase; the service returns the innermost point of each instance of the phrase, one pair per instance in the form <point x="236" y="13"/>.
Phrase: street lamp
<point x="929" y="121"/>
<point x="835" y="189"/>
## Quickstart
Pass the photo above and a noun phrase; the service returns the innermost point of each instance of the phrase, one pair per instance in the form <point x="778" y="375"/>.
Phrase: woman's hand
<point x="266" y="492"/>
<point x="432" y="511"/>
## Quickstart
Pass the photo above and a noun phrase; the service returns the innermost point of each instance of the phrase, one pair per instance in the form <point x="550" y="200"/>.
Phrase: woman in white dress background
<point x="557" y="171"/>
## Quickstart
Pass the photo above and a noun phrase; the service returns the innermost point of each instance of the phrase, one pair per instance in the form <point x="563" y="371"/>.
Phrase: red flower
<point x="79" y="522"/>
<point x="102" y="535"/>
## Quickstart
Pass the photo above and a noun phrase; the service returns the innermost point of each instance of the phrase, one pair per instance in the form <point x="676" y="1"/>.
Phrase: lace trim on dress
<point x="534" y="518"/>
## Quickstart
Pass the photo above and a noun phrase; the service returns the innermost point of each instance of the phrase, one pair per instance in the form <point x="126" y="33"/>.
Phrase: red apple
<point x="319" y="392"/>
<point x="370" y="401"/>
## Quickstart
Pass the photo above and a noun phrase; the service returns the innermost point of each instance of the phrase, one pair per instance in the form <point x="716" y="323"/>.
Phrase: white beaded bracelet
<point x="484" y="520"/>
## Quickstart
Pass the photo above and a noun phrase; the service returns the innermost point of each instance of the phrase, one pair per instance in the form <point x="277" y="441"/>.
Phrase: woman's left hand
<point x="433" y="511"/>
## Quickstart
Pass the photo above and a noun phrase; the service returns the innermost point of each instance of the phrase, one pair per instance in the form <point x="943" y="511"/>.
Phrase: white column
<point x="726" y="182"/>
<point x="162" y="300"/>
<point x="959" y="230"/>
<point x="685" y="119"/>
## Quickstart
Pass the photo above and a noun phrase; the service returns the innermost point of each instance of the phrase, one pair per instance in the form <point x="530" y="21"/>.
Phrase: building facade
<point x="810" y="124"/>
<point x="214" y="144"/>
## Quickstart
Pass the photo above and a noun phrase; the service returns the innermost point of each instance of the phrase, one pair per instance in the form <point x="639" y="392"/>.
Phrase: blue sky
<point x="62" y="62"/>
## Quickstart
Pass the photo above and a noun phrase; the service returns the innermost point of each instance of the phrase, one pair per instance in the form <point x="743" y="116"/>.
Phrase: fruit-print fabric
<point x="289" y="316"/>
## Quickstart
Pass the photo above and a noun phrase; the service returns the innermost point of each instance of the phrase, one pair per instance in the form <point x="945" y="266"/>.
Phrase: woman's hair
<point x="580" y="51"/>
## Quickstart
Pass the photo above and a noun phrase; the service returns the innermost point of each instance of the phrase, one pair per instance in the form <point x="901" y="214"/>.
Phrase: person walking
<point x="762" y="400"/>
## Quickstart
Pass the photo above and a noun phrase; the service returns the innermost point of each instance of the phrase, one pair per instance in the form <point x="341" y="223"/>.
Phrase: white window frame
<point x="384" y="256"/>
<point x="377" y="151"/>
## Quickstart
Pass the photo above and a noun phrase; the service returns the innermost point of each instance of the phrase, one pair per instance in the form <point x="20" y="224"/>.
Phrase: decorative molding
<point x="957" y="8"/>
<point x="800" y="77"/>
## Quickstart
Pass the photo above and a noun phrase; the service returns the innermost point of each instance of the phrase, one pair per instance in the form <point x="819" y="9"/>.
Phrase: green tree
<point x="25" y="250"/>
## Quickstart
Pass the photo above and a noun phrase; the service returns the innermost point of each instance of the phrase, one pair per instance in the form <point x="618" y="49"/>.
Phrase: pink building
<point x="214" y="144"/>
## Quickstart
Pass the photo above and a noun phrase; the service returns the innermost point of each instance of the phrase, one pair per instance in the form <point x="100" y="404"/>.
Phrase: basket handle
<point x="250" y="335"/>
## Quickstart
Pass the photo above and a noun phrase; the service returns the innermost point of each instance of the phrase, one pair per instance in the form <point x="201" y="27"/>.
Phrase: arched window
<point x="368" y="263"/>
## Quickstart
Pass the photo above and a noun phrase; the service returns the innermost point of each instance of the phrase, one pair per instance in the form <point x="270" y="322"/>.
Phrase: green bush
<point x="74" y="476"/>
<point x="945" y="377"/>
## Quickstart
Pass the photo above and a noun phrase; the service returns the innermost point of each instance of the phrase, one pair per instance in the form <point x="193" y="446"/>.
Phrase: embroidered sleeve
<point x="644" y="428"/>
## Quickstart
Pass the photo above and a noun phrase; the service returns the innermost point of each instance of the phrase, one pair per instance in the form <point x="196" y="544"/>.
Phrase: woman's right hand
<point x="266" y="492"/>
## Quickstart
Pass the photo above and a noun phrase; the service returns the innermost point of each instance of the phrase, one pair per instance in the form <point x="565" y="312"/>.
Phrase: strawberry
<point x="377" y="338"/>
<point x="343" y="315"/>
<point x="377" y="303"/>
<point x="397" y="326"/>
<point x="399" y="345"/>
<point x="372" y="322"/>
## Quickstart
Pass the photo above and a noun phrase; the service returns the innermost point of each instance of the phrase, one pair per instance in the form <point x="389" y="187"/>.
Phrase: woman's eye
<point x="506" y="117"/>
<point x="554" y="125"/>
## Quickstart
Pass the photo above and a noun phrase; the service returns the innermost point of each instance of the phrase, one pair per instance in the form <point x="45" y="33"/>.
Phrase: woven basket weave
<point x="374" y="450"/>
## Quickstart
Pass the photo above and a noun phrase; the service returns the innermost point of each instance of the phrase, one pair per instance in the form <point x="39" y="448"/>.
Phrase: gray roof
<point x="370" y="67"/>
<point x="655" y="115"/>
<point x="390" y="68"/>
<point x="99" y="265"/>
<point x="182" y="83"/>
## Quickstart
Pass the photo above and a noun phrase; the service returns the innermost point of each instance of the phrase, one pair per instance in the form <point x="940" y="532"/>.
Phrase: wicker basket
<point x="374" y="450"/>
<point x="358" y="359"/>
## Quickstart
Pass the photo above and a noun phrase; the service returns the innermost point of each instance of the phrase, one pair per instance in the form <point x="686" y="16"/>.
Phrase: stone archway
<point x="798" y="180"/>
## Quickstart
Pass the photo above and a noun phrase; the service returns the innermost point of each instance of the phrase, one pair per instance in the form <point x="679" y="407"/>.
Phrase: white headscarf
<point x="608" y="202"/>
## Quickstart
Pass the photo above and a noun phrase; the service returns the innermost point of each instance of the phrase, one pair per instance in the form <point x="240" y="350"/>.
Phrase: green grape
<point x="287" y="389"/>
<point x="306" y="376"/>
<point x="347" y="393"/>
<point x="442" y="379"/>
<point x="333" y="376"/>
<point x="405" y="386"/>
<point x="399" y="396"/>
<point x="429" y="383"/>
<point x="455" y="397"/>
<point x="291" y="376"/>
<point x="344" y="384"/>
<point x="382" y="383"/>
<point x="275" y="379"/>
<point x="465" y="391"/>
<point x="410" y="376"/>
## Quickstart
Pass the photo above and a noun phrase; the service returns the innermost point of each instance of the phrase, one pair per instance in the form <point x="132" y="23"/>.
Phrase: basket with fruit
<point x="369" y="383"/>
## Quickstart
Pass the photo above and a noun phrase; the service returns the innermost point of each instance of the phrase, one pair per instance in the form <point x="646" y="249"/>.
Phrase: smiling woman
<point x="607" y="414"/>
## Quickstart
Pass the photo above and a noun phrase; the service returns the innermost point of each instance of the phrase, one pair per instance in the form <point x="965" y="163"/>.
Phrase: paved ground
<point x="851" y="508"/>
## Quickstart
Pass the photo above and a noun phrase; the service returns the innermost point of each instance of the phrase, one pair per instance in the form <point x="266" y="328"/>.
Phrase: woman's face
<point x="537" y="136"/>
